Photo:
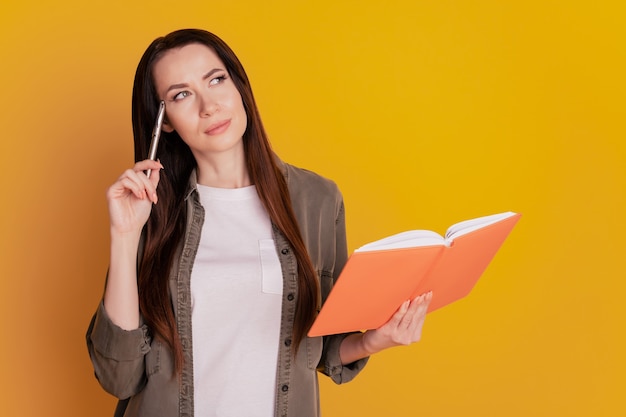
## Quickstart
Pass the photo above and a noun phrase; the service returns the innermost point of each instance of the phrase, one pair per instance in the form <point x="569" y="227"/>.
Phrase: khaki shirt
<point x="138" y="369"/>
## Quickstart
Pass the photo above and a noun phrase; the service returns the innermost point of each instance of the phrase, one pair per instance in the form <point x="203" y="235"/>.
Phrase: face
<point x="202" y="103"/>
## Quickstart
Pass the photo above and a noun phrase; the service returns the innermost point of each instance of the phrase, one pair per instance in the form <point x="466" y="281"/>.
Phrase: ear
<point x="166" y="127"/>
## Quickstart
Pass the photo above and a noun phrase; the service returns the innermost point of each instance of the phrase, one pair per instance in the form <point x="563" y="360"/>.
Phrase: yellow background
<point x="424" y="112"/>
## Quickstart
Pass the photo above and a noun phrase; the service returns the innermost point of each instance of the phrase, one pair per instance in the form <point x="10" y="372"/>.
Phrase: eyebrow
<point x="204" y="77"/>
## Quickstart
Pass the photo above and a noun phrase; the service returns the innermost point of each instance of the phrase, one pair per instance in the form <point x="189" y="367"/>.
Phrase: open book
<point x="381" y="275"/>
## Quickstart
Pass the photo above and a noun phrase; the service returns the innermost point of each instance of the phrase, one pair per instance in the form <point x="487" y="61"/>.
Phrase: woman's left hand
<point x="404" y="327"/>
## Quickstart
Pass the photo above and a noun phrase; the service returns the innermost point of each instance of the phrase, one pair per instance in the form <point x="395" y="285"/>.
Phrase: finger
<point x="147" y="164"/>
<point x="422" y="299"/>
<point x="428" y="297"/>
<point x="409" y="313"/>
<point x="134" y="187"/>
<point x="129" y="181"/>
<point x="154" y="179"/>
<point x="152" y="170"/>
<point x="419" y="305"/>
<point x="419" y="308"/>
<point x="398" y="316"/>
<point x="412" y="313"/>
<point x="136" y="183"/>
<point x="145" y="167"/>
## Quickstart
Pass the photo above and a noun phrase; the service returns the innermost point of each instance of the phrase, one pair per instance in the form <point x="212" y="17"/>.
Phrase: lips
<point x="217" y="128"/>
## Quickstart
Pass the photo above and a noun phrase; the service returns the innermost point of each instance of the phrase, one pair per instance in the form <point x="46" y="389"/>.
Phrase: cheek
<point x="235" y="102"/>
<point x="177" y="121"/>
<point x="240" y="110"/>
<point x="243" y="119"/>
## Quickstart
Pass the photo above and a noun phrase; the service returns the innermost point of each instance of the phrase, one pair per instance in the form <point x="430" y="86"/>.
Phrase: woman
<point x="222" y="257"/>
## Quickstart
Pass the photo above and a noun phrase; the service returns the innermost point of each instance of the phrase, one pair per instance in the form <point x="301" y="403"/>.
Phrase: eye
<point x="181" y="95"/>
<point x="217" y="80"/>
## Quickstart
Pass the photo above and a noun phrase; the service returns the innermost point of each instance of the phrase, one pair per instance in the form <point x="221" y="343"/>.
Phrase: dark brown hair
<point x="166" y="225"/>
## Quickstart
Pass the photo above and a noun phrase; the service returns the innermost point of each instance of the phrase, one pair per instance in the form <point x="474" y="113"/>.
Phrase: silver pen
<point x="156" y="134"/>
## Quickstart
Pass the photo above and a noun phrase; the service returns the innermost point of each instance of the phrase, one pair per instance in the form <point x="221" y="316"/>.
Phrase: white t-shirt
<point x="236" y="290"/>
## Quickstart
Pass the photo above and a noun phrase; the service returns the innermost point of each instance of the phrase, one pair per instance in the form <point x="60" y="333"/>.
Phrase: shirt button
<point x="285" y="388"/>
<point x="290" y="297"/>
<point x="287" y="342"/>
<point x="284" y="251"/>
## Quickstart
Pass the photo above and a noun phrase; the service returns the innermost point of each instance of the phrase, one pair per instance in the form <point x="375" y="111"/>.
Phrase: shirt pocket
<point x="271" y="272"/>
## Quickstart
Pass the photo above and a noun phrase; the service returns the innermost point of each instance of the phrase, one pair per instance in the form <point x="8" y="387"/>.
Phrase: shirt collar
<point x="192" y="184"/>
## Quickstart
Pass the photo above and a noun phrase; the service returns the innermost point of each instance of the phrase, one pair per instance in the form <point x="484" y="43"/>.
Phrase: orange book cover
<point x="380" y="276"/>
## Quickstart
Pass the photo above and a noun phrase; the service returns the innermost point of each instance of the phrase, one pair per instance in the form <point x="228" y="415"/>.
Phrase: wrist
<point x="366" y="343"/>
<point x="124" y="244"/>
<point x="125" y="235"/>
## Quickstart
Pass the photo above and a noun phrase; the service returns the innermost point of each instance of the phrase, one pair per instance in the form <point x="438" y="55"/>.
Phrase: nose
<point x="208" y="105"/>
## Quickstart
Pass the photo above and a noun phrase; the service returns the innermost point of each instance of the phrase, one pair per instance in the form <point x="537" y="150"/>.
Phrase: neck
<point x="225" y="170"/>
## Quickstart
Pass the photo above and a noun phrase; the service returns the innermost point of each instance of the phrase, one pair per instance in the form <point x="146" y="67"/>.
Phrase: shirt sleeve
<point x="331" y="362"/>
<point x="117" y="355"/>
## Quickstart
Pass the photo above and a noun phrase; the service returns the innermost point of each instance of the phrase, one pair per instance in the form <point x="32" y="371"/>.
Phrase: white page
<point x="469" y="226"/>
<point x="405" y="240"/>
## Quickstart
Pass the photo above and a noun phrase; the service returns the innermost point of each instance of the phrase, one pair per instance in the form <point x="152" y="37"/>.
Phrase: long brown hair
<point x="166" y="225"/>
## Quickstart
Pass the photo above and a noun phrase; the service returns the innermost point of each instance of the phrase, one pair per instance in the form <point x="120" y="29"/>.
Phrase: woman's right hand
<point x="131" y="197"/>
